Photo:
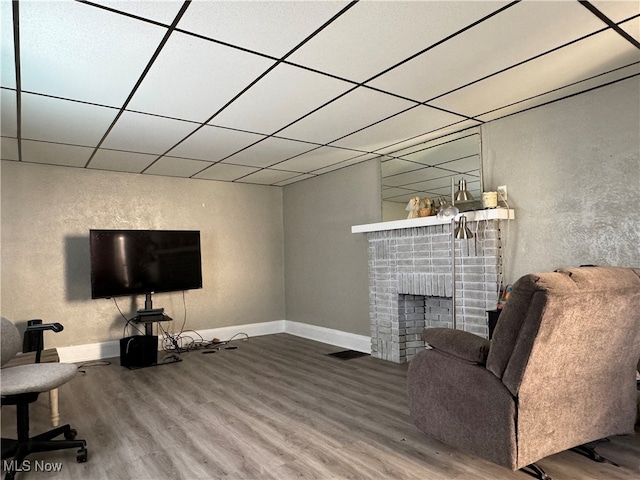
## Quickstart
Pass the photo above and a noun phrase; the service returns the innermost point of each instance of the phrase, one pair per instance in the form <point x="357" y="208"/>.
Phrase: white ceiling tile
<point x="353" y="111"/>
<point x="63" y="121"/>
<point x="632" y="27"/>
<point x="632" y="70"/>
<point x="8" y="113"/>
<point x="121" y="161"/>
<point x="295" y="179"/>
<point x="136" y="132"/>
<point x="409" y="124"/>
<point x="225" y="172"/>
<point x="617" y="10"/>
<point x="373" y="36"/>
<point x="423" y="144"/>
<point x="281" y="97"/>
<point x="214" y="144"/>
<point x="9" y="148"/>
<point x="268" y="152"/>
<point x="163" y="11"/>
<point x="55" y="153"/>
<point x="272" y="28"/>
<point x="268" y="177"/>
<point x="76" y="51"/>
<point x="193" y="78"/>
<point x="7" y="59"/>
<point x="518" y="33"/>
<point x="177" y="167"/>
<point x="594" y="55"/>
<point x="316" y="159"/>
<point x="444" y="150"/>
<point x="411" y="144"/>
<point x="346" y="163"/>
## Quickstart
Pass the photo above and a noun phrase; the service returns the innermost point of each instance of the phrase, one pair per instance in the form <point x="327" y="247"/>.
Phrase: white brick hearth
<point x="410" y="279"/>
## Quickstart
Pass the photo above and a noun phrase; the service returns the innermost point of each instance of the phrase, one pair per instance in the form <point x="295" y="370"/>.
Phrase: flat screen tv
<point x="130" y="262"/>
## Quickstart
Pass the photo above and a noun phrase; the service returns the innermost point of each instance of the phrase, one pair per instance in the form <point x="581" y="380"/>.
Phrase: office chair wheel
<point x="71" y="434"/>
<point x="82" y="455"/>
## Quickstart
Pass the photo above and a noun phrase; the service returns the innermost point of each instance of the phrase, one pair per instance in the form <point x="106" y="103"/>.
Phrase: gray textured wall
<point x="46" y="216"/>
<point x="573" y="174"/>
<point x="326" y="273"/>
<point x="572" y="169"/>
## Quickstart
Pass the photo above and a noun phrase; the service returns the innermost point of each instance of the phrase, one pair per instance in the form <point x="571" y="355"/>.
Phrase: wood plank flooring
<point x="277" y="407"/>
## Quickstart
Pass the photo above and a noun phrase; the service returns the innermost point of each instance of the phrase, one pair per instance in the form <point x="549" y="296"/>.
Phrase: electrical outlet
<point x="502" y="193"/>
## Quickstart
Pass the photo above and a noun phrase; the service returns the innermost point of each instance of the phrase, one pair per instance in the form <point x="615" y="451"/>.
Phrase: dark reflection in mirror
<point x="426" y="170"/>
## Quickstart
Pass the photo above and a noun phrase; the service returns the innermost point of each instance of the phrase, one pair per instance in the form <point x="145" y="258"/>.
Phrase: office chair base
<point x="21" y="448"/>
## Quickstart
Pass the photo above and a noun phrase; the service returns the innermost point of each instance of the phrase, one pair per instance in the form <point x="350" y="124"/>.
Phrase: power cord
<point x="177" y="343"/>
<point x="95" y="363"/>
<point x="216" y="344"/>
<point x="128" y="321"/>
<point x="504" y="244"/>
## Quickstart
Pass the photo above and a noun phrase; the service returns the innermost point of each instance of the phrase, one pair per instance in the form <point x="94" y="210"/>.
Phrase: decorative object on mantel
<point x="489" y="199"/>
<point x="427" y="209"/>
<point x="413" y="207"/>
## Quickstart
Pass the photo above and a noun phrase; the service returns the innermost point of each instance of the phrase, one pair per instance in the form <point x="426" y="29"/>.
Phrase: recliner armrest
<point x="461" y="344"/>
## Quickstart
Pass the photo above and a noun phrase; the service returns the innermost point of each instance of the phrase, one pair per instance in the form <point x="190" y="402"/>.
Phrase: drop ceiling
<point x="273" y="92"/>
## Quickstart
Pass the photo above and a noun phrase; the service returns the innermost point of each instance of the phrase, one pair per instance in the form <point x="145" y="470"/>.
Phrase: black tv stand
<point x="152" y="311"/>
<point x="141" y="351"/>
<point x="149" y="320"/>
<point x="148" y="315"/>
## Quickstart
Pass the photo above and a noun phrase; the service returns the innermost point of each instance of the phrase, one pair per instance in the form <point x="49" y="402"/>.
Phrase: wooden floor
<point x="276" y="407"/>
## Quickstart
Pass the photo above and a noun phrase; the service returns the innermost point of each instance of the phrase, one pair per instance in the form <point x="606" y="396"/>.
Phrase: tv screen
<point x="129" y="262"/>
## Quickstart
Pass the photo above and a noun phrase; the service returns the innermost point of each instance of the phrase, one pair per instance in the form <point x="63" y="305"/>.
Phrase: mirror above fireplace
<point x="426" y="170"/>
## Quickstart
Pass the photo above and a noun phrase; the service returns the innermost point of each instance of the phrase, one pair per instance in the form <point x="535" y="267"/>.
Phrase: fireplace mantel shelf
<point x="472" y="216"/>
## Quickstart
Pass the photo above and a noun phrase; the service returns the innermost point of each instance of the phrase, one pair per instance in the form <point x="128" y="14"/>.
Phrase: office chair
<point x="21" y="386"/>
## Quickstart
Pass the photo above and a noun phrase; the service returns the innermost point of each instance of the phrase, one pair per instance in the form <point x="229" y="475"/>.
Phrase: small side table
<point x="492" y="320"/>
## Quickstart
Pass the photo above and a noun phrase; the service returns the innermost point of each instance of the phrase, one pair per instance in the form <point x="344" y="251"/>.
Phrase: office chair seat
<point x="36" y="378"/>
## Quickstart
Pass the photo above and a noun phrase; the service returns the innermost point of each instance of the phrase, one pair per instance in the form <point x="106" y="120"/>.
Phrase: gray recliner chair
<point x="559" y="371"/>
<point x="21" y="386"/>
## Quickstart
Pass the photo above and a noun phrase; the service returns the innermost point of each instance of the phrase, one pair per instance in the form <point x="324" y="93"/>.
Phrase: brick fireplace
<point x="410" y="279"/>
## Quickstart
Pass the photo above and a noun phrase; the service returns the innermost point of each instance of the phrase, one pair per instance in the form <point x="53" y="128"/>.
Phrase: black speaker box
<point x="139" y="351"/>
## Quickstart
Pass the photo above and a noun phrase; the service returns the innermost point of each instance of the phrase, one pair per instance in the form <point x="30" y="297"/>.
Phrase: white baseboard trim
<point x="111" y="349"/>
<point x="89" y="352"/>
<point x="352" y="341"/>
<point x="251" y="329"/>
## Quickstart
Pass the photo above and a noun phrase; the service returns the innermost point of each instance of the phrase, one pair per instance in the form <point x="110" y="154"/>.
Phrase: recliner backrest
<point x="572" y="320"/>
<point x="11" y="342"/>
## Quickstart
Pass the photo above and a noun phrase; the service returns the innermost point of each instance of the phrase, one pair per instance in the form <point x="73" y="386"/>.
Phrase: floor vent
<point x="347" y="354"/>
